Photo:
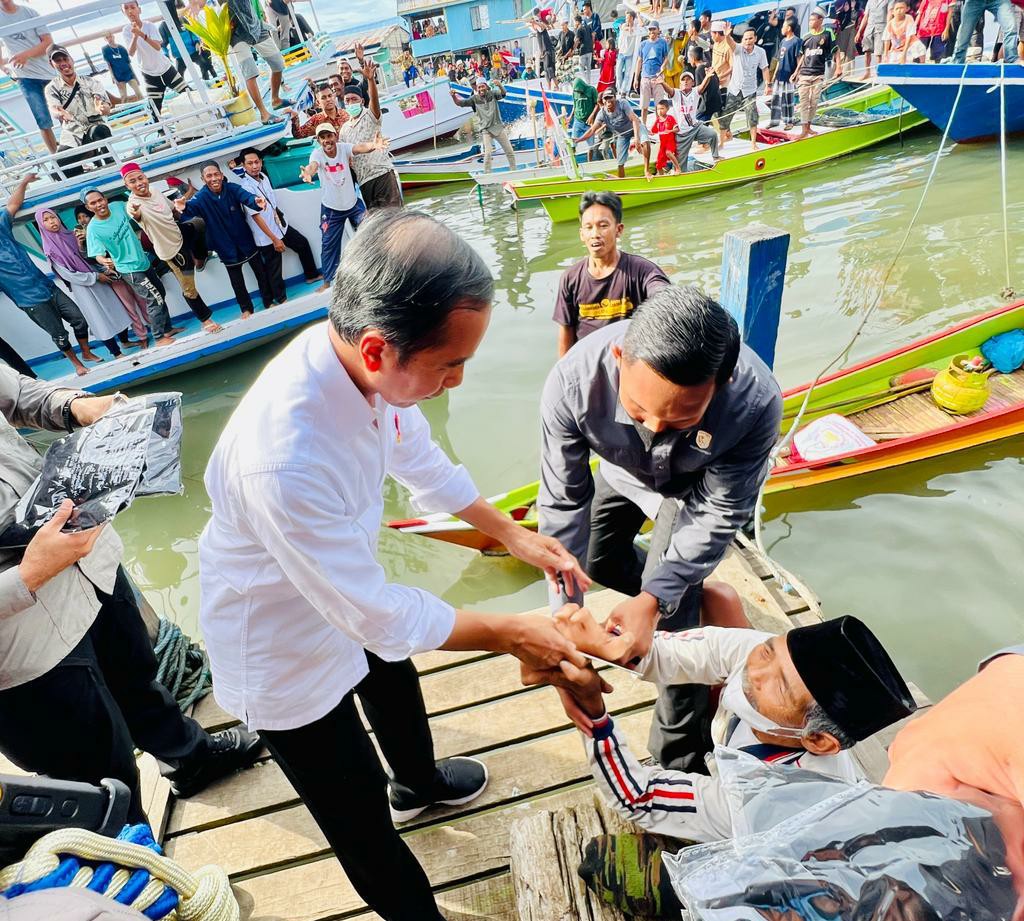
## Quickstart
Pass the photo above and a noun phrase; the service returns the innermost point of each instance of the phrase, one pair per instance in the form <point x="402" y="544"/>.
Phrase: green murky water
<point x="929" y="554"/>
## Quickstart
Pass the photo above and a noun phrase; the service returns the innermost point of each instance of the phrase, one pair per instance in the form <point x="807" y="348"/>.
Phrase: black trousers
<point x="273" y="260"/>
<point x="680" y="736"/>
<point x="335" y="769"/>
<point x="68" y="161"/>
<point x="238" y="283"/>
<point x="83" y="719"/>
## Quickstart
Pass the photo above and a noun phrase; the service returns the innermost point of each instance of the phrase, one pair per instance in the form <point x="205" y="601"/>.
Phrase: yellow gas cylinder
<point x="963" y="387"/>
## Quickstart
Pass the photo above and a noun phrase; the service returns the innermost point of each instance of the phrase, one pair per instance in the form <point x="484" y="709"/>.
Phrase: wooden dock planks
<point x="254" y="826"/>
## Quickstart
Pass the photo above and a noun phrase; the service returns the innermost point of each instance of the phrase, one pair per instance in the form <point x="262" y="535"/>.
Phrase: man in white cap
<point x="484" y="102"/>
<point x="339" y="204"/>
<point x="741" y="92"/>
<point x="810" y="73"/>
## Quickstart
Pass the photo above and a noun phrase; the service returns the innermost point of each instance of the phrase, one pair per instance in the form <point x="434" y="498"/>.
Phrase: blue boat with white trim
<point x="976" y="97"/>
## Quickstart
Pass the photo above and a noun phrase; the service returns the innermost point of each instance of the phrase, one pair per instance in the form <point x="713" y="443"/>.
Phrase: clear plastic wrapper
<point x="811" y="848"/>
<point x="162" y="473"/>
<point x="132" y="450"/>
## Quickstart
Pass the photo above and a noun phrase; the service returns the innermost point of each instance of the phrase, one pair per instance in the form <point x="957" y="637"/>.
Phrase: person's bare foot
<point x="211" y="327"/>
<point x="133" y="344"/>
<point x="175" y="330"/>
<point x="578" y="625"/>
<point x="247" y="314"/>
<point x="89" y="355"/>
<point x="81" y="370"/>
<point x="806" y="133"/>
<point x="322" y="288"/>
<point x="315" y="278"/>
<point x="165" y="340"/>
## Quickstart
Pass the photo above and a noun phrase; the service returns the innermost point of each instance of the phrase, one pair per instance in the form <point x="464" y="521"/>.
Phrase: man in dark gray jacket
<point x="682" y="418"/>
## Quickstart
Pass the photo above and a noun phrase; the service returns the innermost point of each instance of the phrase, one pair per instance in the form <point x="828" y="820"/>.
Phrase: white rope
<point x="204" y="896"/>
<point x="843" y="354"/>
<point x="1007" y="292"/>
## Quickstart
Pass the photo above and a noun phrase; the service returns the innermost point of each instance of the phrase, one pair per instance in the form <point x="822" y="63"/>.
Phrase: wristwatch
<point x="67" y="418"/>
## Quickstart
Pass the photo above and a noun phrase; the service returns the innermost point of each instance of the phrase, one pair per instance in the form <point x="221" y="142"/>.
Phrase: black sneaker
<point x="458" y="781"/>
<point x="229" y="750"/>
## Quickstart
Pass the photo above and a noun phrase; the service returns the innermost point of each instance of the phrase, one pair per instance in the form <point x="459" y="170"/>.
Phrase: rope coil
<point x="182" y="666"/>
<point x="133" y="874"/>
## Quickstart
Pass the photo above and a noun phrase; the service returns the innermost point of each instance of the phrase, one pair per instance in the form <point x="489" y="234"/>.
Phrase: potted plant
<point x="215" y="32"/>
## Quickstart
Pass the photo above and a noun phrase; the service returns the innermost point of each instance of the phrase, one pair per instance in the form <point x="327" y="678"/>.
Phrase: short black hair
<point x="249" y="150"/>
<point x="207" y="163"/>
<point x="705" y="14"/>
<point x="588" y="4"/>
<point x="750" y="29"/>
<point x="685" y="336"/>
<point x="403" y="273"/>
<point x="81" y="209"/>
<point x="578" y="18"/>
<point x="608" y="200"/>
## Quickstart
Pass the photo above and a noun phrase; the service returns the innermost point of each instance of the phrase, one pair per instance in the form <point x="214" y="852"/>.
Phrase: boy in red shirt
<point x="665" y="127"/>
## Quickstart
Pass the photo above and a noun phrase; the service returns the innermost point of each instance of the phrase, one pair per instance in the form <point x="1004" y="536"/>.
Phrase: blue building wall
<point x="461" y="34"/>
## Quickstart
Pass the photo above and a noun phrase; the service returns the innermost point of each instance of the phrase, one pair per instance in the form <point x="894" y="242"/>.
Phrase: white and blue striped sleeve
<point x="688" y="806"/>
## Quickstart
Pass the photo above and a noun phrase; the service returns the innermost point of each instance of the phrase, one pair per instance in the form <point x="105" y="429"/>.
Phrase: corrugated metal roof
<point x="371" y="37"/>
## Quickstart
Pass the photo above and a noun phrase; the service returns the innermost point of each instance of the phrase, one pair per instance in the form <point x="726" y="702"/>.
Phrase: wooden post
<point x="753" y="272"/>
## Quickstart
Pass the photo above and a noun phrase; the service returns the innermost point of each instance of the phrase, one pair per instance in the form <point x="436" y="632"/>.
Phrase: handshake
<point x="582" y="688"/>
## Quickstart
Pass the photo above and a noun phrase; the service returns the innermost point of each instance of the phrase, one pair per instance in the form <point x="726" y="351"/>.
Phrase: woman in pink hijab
<point x="106" y="312"/>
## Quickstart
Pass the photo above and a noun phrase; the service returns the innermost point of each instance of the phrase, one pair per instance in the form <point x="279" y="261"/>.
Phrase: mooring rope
<point x="129" y="869"/>
<point x="844" y="353"/>
<point x="182" y="666"/>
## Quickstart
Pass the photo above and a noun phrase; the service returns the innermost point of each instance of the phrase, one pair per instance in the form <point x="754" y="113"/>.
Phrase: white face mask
<point x="736" y="701"/>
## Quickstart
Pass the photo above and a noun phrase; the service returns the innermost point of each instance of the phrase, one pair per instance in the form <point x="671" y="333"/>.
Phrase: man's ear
<point x="822" y="743"/>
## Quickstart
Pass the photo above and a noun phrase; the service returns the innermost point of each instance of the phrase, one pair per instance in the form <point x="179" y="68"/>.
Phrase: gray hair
<point x="818" y="721"/>
<point x="403" y="273"/>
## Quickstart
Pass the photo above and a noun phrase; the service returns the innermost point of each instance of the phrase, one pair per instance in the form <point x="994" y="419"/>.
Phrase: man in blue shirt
<point x="30" y="290"/>
<point x="119" y="63"/>
<point x="222" y="205"/>
<point x="651" y="61"/>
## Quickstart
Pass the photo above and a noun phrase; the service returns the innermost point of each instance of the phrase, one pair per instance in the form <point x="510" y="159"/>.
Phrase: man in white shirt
<point x="339" y="204"/>
<point x="142" y="39"/>
<point x="748" y="58"/>
<point x="297" y="612"/>
<point x="283" y="236"/>
<point x="685" y="101"/>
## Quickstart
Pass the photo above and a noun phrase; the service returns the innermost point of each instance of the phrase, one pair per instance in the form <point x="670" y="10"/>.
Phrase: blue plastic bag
<point x="1005" y="351"/>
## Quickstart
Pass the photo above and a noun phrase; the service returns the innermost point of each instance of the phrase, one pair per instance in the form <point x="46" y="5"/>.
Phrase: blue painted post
<point x="753" y="272"/>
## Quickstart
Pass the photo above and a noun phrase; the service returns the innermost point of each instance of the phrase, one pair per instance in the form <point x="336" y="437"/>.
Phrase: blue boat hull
<point x="932" y="89"/>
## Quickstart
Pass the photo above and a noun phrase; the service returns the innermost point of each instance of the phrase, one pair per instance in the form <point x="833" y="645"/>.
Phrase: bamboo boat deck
<point x="254" y="826"/>
<point x="917" y="413"/>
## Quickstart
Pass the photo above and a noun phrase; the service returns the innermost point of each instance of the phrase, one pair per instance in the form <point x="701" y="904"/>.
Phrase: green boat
<point x="875" y="116"/>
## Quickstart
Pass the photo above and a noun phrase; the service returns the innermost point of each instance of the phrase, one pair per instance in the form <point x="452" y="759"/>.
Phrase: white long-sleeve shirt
<point x="677" y="803"/>
<point x="292" y="592"/>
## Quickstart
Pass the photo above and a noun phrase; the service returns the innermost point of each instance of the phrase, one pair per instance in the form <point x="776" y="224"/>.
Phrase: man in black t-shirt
<point x="584" y="47"/>
<point x="810" y="76"/>
<point x="609" y="284"/>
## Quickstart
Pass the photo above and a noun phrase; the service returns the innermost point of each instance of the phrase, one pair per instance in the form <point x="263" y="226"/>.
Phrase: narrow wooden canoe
<point x="560" y="198"/>
<point x="912" y="427"/>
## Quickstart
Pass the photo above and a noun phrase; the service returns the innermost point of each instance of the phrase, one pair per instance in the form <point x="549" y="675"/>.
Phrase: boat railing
<point x="133" y="138"/>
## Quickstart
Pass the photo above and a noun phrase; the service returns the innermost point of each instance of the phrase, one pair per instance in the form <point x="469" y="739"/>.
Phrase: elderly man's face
<point x="430" y="372"/>
<point x="773" y="686"/>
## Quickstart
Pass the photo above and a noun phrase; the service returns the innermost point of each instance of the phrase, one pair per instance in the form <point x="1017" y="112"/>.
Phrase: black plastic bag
<point x="162" y="473"/>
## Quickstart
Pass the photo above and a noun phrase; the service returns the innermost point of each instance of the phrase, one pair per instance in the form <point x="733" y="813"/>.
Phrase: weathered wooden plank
<point x="290" y="834"/>
<point x="491" y="899"/>
<point x="449" y="853"/>
<point x="544" y="851"/>
<point x="762" y="610"/>
<point x="212" y="717"/>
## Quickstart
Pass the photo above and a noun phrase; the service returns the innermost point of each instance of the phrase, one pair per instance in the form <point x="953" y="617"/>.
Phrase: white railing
<point x="140" y="142"/>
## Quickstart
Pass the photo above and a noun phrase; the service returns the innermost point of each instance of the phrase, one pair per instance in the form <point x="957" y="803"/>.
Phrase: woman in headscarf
<point x="90" y="289"/>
